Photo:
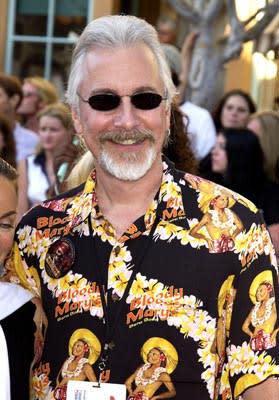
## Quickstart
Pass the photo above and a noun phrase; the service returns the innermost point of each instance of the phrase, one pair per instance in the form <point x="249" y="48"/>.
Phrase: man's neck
<point x="122" y="202"/>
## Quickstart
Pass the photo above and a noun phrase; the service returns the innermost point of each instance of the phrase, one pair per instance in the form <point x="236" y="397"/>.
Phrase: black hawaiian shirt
<point x="184" y="302"/>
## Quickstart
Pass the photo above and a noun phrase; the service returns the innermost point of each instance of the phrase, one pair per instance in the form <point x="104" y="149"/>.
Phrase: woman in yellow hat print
<point x="84" y="350"/>
<point x="160" y="359"/>
<point x="260" y="323"/>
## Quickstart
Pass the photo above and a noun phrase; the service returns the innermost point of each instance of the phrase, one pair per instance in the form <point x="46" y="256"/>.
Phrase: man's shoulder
<point x="207" y="191"/>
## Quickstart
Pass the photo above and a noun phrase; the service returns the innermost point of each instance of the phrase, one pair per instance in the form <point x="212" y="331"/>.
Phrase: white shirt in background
<point x="201" y="129"/>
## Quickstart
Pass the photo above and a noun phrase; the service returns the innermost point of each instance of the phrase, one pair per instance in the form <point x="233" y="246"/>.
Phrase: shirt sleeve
<point x="18" y="270"/>
<point x="252" y="351"/>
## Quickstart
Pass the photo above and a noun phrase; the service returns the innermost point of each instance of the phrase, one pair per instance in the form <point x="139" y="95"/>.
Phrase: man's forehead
<point x="135" y="64"/>
<point x="129" y="52"/>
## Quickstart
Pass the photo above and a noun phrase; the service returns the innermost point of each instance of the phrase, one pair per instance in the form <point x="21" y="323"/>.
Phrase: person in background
<point x="265" y="125"/>
<point x="239" y="159"/>
<point x="16" y="307"/>
<point x="233" y="110"/>
<point x="200" y="127"/>
<point x="10" y="99"/>
<point x="7" y="141"/>
<point x="36" y="173"/>
<point x="38" y="92"/>
<point x="179" y="62"/>
<point x="167" y="30"/>
<point x="133" y="269"/>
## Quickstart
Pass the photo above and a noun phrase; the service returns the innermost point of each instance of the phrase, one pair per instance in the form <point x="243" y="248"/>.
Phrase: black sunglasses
<point x="110" y="101"/>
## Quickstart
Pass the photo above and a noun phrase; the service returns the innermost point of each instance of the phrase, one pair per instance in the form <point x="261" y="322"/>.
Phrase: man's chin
<point x="128" y="172"/>
<point x="131" y="169"/>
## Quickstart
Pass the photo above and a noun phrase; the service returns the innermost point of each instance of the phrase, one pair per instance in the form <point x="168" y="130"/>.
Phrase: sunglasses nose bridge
<point x="126" y="115"/>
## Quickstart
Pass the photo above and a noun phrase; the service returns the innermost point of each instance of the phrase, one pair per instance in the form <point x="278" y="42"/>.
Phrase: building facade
<point x="38" y="36"/>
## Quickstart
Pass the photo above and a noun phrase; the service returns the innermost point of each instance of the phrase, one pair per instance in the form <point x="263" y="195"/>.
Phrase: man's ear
<point x="14" y="101"/>
<point x="76" y="121"/>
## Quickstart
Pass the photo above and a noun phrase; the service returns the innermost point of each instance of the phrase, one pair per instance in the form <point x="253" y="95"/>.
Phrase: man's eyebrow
<point x="7" y="214"/>
<point x="146" y="88"/>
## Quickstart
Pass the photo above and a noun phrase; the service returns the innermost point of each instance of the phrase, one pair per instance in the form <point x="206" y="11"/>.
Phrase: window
<point x="41" y="35"/>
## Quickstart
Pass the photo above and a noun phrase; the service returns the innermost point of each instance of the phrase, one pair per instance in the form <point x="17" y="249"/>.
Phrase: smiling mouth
<point x="128" y="141"/>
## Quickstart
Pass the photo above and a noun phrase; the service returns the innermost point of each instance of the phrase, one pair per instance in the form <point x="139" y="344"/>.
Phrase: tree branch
<point x="185" y="10"/>
<point x="269" y="13"/>
<point x="234" y="42"/>
<point x="212" y="10"/>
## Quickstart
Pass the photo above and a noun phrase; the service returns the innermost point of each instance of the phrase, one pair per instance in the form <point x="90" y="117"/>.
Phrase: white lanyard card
<point x="80" y="390"/>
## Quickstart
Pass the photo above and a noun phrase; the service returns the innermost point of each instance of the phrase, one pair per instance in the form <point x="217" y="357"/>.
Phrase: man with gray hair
<point x="162" y="268"/>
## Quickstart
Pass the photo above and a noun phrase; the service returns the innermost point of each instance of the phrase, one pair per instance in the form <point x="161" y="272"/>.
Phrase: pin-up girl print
<point x="260" y="323"/>
<point x="84" y="350"/>
<point x="219" y="225"/>
<point x="160" y="359"/>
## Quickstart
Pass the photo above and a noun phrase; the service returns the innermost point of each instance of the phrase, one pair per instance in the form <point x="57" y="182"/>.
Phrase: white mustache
<point x="135" y="135"/>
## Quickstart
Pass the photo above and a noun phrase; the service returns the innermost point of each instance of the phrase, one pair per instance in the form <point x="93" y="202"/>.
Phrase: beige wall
<point x="3" y="30"/>
<point x="105" y="7"/>
<point x="239" y="72"/>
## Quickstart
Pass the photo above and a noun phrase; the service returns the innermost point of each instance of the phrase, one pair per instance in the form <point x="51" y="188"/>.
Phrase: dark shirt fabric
<point x="19" y="330"/>
<point x="193" y="264"/>
<point x="268" y="202"/>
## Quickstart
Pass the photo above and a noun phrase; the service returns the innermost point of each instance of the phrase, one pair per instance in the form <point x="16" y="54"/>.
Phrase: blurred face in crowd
<point x="125" y="141"/>
<point x="235" y="112"/>
<point x="8" y="205"/>
<point x="219" y="160"/>
<point x="52" y="132"/>
<point x="166" y="33"/>
<point x="30" y="103"/>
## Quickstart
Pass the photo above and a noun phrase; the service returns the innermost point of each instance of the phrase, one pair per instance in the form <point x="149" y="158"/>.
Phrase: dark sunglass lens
<point x="104" y="102"/>
<point x="146" y="101"/>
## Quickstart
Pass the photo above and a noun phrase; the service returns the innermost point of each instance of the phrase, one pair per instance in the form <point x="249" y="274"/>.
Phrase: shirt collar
<point x="167" y="203"/>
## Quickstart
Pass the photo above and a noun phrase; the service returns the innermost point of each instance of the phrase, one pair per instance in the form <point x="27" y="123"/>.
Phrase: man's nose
<point x="126" y="114"/>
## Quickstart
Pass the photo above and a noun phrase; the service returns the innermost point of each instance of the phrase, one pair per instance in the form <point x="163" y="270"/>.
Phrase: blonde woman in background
<point x="37" y="173"/>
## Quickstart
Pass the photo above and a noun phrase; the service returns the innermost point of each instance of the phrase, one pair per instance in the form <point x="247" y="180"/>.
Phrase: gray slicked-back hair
<point x="116" y="31"/>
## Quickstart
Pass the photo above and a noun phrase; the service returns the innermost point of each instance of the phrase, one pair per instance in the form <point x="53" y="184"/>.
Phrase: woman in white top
<point x="37" y="172"/>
